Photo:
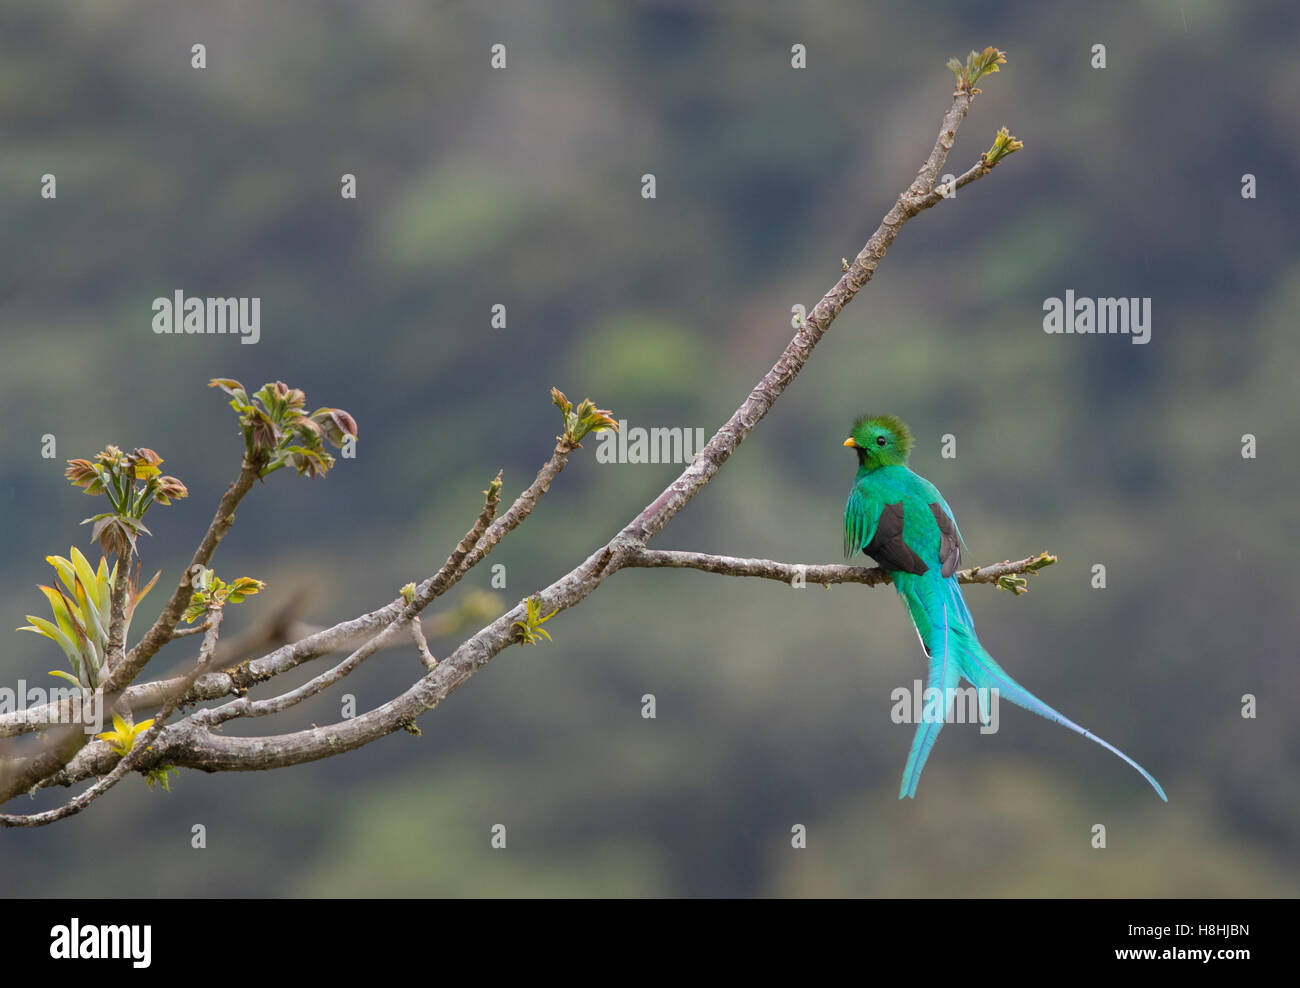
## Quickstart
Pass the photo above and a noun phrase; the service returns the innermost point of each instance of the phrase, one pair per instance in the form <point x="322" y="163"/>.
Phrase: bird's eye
<point x="880" y="440"/>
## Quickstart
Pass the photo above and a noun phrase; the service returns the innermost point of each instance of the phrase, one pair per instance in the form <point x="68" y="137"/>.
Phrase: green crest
<point x="868" y="430"/>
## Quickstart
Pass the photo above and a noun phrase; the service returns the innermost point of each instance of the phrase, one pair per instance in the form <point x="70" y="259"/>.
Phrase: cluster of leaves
<point x="159" y="776"/>
<point x="278" y="433"/>
<point x="82" y="614"/>
<point x="122" y="738"/>
<point x="1003" y="145"/>
<point x="116" y="475"/>
<point x="978" y="64"/>
<point x="212" y="593"/>
<point x="581" y="420"/>
<point x="530" y="628"/>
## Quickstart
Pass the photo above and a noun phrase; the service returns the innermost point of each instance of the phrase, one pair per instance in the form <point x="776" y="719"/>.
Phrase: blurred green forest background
<point x="522" y="187"/>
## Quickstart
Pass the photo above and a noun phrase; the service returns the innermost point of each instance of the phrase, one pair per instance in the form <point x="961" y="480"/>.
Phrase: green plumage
<point x="902" y="521"/>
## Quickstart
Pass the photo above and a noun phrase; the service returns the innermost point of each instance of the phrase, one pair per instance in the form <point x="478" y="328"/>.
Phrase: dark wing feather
<point x="887" y="546"/>
<point x="949" y="541"/>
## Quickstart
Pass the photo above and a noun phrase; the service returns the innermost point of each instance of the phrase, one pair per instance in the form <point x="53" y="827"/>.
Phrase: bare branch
<point x="514" y="517"/>
<point x="116" y="644"/>
<point x="422" y="644"/>
<point x="161" y="632"/>
<point x="454" y="563"/>
<point x="946" y="190"/>
<point x="824" y="574"/>
<point x="244" y="707"/>
<point x="198" y="629"/>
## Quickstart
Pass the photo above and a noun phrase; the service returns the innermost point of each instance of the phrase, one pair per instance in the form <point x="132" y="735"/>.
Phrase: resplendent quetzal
<point x="902" y="522"/>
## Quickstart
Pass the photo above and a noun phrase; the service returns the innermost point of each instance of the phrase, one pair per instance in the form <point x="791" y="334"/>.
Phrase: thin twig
<point x="162" y="630"/>
<point x="422" y="645"/>
<point x="198" y="629"/>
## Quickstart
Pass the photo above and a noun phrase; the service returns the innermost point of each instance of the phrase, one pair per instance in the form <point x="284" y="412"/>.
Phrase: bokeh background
<point x="522" y="187"/>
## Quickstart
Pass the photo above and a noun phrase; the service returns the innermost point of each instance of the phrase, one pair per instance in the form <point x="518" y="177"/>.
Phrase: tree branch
<point x="162" y="630"/>
<point x="19" y="775"/>
<point x="132" y="758"/>
<point x="824" y="574"/>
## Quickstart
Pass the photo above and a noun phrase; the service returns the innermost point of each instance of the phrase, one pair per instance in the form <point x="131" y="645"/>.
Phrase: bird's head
<point x="880" y="441"/>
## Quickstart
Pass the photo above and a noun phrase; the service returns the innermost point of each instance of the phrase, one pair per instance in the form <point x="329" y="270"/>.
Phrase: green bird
<point x="900" y="520"/>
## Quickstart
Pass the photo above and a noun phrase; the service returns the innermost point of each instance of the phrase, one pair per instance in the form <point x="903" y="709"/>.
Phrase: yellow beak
<point x="850" y="442"/>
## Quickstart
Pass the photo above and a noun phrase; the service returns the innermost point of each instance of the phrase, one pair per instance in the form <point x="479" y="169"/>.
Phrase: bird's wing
<point x="874" y="523"/>
<point x="861" y="515"/>
<point x="949" y="512"/>
<point x="949" y="539"/>
<point x="888" y="546"/>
